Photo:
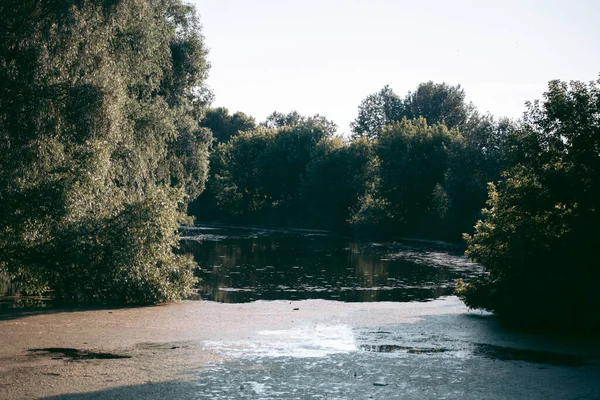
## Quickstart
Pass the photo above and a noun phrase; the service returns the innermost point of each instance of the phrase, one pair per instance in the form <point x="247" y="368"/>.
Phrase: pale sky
<point x="325" y="56"/>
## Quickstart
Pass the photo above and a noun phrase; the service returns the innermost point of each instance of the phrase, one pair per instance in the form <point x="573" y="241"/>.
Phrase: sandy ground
<point x="165" y="344"/>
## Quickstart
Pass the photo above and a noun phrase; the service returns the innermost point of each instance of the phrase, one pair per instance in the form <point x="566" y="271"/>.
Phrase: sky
<point x="325" y="56"/>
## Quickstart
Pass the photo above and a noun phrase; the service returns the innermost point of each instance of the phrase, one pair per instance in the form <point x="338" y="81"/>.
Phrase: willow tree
<point x="99" y="146"/>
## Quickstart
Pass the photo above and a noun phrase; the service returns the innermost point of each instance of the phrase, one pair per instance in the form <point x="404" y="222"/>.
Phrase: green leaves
<point x="100" y="146"/>
<point x="376" y="111"/>
<point x="337" y="176"/>
<point x="541" y="225"/>
<point x="258" y="173"/>
<point x="436" y="102"/>
<point x="224" y="126"/>
<point x="413" y="160"/>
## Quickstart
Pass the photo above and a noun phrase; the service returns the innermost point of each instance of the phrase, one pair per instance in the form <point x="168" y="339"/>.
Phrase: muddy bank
<point x="164" y="343"/>
<point x="285" y="349"/>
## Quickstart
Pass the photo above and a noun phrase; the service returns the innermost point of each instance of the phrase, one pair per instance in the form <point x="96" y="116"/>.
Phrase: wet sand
<point x="165" y="344"/>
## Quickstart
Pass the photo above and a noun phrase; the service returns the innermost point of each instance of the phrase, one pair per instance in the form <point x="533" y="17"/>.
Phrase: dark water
<point x="242" y="265"/>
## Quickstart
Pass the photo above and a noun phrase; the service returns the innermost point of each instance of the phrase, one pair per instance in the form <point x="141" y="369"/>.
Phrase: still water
<point x="240" y="265"/>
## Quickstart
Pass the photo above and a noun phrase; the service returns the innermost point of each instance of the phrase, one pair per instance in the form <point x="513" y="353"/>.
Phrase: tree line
<point x="417" y="165"/>
<point x="523" y="194"/>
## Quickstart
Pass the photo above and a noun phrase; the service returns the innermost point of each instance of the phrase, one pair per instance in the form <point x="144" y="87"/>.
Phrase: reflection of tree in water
<point x="369" y="269"/>
<point x="289" y="266"/>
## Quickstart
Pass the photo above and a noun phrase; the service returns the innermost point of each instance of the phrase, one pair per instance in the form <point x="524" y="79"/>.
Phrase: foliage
<point x="413" y="158"/>
<point x="417" y="183"/>
<point x="292" y="119"/>
<point x="538" y="239"/>
<point x="223" y="125"/>
<point x="278" y="119"/>
<point x="436" y="102"/>
<point x="337" y="176"/>
<point x="376" y="111"/>
<point x="135" y="262"/>
<point x="466" y="164"/>
<point x="290" y="170"/>
<point x="238" y="181"/>
<point x="258" y="174"/>
<point x="100" y="148"/>
<point x="475" y="158"/>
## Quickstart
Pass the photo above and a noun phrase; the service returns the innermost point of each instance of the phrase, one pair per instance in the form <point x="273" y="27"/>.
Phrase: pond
<point x="389" y="335"/>
<point x="240" y="264"/>
<point x="244" y="264"/>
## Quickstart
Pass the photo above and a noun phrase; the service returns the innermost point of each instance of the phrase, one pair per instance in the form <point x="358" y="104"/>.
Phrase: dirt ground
<point x="53" y="352"/>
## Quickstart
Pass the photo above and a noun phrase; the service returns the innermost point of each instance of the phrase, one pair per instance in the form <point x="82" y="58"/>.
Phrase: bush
<point x="538" y="241"/>
<point x="128" y="258"/>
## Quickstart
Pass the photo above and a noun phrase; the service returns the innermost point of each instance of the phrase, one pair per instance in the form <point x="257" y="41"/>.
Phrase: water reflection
<point x="242" y="265"/>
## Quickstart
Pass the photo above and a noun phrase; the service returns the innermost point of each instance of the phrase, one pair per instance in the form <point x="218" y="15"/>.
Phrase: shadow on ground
<point x="163" y="390"/>
<point x="9" y="314"/>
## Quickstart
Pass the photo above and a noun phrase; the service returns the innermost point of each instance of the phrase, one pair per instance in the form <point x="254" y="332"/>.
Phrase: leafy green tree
<point x="258" y="173"/>
<point x="292" y="119"/>
<point x="99" y="147"/>
<point x="238" y="178"/>
<point x="475" y="158"/>
<point x="438" y="103"/>
<point x="284" y="165"/>
<point x="224" y="125"/>
<point x="376" y="111"/>
<point x="538" y="240"/>
<point x="413" y="158"/>
<point x="278" y="119"/>
<point x="337" y="176"/>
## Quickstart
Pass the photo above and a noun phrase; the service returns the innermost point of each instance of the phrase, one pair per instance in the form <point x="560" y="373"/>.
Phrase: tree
<point x="238" y="180"/>
<point x="376" y="111"/>
<point x="337" y="176"/>
<point x="278" y="119"/>
<point x="413" y="157"/>
<point x="538" y="240"/>
<point x="438" y="103"/>
<point x="475" y="158"/>
<point x="223" y="125"/>
<point x="99" y="147"/>
<point x="292" y="119"/>
<point x="258" y="173"/>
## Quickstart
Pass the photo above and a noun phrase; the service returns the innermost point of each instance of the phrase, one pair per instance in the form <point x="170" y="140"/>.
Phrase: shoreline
<point x="341" y="233"/>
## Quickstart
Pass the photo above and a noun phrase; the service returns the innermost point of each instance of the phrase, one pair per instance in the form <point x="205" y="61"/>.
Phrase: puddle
<point x="484" y="350"/>
<point x="76" y="354"/>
